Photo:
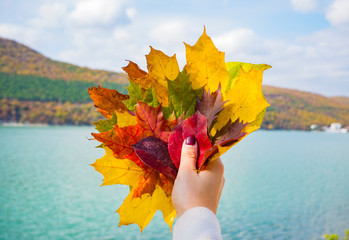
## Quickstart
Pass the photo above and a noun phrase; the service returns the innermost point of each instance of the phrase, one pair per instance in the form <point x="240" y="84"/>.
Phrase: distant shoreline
<point x="44" y="125"/>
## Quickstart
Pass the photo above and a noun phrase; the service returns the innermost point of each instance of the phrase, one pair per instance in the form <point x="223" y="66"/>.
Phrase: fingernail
<point x="190" y="140"/>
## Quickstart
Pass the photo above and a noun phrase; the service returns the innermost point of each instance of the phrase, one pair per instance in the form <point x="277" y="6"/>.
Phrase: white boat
<point x="335" y="128"/>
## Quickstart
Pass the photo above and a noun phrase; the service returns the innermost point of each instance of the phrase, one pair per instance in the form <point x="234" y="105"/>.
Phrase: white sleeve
<point x="197" y="223"/>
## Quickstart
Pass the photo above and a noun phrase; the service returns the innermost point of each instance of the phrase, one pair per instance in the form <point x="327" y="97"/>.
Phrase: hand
<point x="197" y="189"/>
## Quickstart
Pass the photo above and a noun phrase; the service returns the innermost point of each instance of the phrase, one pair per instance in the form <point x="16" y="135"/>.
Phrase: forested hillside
<point x="16" y="58"/>
<point x="36" y="89"/>
<point x="292" y="109"/>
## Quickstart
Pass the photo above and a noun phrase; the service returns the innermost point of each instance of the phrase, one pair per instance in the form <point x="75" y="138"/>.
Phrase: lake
<point x="279" y="185"/>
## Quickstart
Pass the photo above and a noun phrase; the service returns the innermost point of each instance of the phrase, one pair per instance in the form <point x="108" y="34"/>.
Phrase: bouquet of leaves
<point x="217" y="102"/>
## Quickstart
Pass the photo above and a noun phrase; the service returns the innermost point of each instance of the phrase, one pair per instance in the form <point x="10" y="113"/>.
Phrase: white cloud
<point x="96" y="12"/>
<point x="338" y="13"/>
<point x="168" y="33"/>
<point x="235" y="42"/>
<point x="131" y="13"/>
<point x="304" y="5"/>
<point x="50" y="15"/>
<point x="15" y="32"/>
<point x="121" y="34"/>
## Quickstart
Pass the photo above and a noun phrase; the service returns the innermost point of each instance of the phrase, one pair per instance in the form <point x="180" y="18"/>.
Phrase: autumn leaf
<point x="120" y="141"/>
<point x="147" y="182"/>
<point x="141" y="210"/>
<point x="152" y="121"/>
<point x="182" y="97"/>
<point x="196" y="125"/>
<point x="206" y="65"/>
<point x="107" y="101"/>
<point x="126" y="118"/>
<point x="137" y="75"/>
<point x="117" y="171"/>
<point x="106" y="124"/>
<point x="138" y="93"/>
<point x="234" y="70"/>
<point x="245" y="100"/>
<point x="161" y="68"/>
<point x="225" y="138"/>
<point x="210" y="105"/>
<point x="230" y="132"/>
<point x="154" y="153"/>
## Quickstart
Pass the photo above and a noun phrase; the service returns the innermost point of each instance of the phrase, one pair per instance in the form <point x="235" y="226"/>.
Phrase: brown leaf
<point x="107" y="101"/>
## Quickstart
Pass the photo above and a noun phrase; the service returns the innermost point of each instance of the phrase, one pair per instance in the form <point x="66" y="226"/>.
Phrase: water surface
<point x="279" y="185"/>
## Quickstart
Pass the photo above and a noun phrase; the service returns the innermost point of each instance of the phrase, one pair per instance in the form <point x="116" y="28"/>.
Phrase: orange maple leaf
<point x="108" y="101"/>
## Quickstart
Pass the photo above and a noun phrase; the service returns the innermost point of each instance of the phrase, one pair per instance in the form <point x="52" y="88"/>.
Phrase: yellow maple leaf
<point x="141" y="210"/>
<point x="161" y="67"/>
<point x="206" y="65"/>
<point x="245" y="99"/>
<point x="117" y="171"/>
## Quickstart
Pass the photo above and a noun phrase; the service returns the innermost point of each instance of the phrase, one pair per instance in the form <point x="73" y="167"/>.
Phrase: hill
<point x="36" y="89"/>
<point x="26" y="74"/>
<point x="18" y="59"/>
<point x="293" y="109"/>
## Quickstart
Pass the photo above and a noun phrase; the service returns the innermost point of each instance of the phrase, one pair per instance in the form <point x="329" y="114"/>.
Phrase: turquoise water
<point x="279" y="185"/>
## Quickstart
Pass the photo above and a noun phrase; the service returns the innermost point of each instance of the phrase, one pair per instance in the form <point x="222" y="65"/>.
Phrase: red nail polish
<point x="190" y="140"/>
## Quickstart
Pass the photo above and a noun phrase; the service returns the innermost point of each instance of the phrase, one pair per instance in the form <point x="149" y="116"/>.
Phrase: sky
<point x="305" y="41"/>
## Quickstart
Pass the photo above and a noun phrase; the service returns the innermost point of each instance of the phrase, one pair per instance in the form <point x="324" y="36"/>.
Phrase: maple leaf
<point x="120" y="141"/>
<point x="117" y="171"/>
<point x="196" y="125"/>
<point x="225" y="138"/>
<point x="182" y="97"/>
<point x="234" y="70"/>
<point x="137" y="75"/>
<point x="106" y="124"/>
<point x="230" y="132"/>
<point x="141" y="210"/>
<point x="107" y="101"/>
<point x="161" y="67"/>
<point x="210" y="105"/>
<point x="154" y="153"/>
<point x="147" y="182"/>
<point x="152" y="121"/>
<point x="206" y="65"/>
<point x="245" y="100"/>
<point x="138" y="93"/>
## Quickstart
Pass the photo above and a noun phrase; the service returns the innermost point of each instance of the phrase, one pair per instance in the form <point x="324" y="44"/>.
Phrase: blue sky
<point x="306" y="41"/>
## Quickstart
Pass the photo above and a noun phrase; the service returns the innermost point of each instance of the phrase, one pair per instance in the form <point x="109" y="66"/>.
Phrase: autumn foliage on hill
<point x="292" y="109"/>
<point x="18" y="59"/>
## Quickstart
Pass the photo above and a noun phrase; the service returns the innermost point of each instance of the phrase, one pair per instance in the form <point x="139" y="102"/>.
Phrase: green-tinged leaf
<point x="136" y="92"/>
<point x="107" y="124"/>
<point x="182" y="97"/>
<point x="234" y="70"/>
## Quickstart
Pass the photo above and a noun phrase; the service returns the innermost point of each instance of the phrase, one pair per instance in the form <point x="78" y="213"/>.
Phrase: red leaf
<point x="230" y="132"/>
<point x="195" y="125"/>
<point x="210" y="105"/>
<point x="152" y="120"/>
<point x="120" y="141"/>
<point x="154" y="153"/>
<point x="227" y="136"/>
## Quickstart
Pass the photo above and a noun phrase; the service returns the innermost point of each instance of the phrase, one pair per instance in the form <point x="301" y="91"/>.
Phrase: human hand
<point x="197" y="189"/>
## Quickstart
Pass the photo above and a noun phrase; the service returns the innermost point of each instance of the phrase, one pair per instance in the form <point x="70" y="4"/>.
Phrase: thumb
<point x="189" y="154"/>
